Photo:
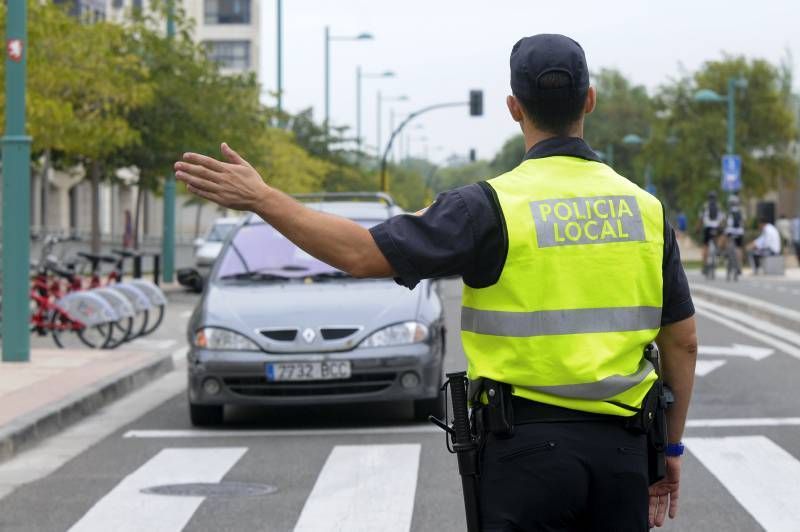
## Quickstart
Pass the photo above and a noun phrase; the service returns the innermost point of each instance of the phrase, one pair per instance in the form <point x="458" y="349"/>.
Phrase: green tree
<point x="622" y="109"/>
<point x="690" y="138"/>
<point x="83" y="80"/>
<point x="509" y="156"/>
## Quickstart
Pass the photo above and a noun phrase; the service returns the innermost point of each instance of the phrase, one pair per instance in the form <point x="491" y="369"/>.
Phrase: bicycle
<point x="733" y="268"/>
<point x="86" y="316"/>
<point x="710" y="267"/>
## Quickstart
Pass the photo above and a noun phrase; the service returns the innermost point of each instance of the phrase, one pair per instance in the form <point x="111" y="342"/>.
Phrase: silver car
<point x="207" y="249"/>
<point x="275" y="326"/>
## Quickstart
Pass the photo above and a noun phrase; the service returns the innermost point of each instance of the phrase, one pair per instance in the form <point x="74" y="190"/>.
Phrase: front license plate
<point x="308" y="371"/>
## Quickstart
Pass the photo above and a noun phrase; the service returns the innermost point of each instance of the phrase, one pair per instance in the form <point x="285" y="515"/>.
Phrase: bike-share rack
<point x="120" y="310"/>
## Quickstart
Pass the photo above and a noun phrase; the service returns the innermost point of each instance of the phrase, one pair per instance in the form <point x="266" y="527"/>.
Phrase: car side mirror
<point x="199" y="242"/>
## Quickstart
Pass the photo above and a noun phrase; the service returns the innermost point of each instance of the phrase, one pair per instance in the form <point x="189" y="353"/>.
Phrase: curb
<point x="28" y="430"/>
<point x="768" y="311"/>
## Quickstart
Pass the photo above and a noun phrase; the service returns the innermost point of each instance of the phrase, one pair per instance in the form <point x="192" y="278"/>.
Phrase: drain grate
<point x="213" y="489"/>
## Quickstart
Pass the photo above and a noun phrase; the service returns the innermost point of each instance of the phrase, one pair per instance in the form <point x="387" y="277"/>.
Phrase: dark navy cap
<point x="532" y="57"/>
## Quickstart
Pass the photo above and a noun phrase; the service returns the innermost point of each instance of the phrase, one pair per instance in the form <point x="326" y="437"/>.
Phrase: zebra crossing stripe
<point x="704" y="367"/>
<point x="759" y="474"/>
<point x="363" y="488"/>
<point x="126" y="509"/>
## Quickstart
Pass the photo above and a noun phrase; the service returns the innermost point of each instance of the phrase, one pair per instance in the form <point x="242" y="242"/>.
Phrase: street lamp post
<point x="632" y="139"/>
<point x="279" y="62"/>
<point x="710" y="96"/>
<point x="378" y="133"/>
<point x="16" y="190"/>
<point x="328" y="39"/>
<point x="359" y="76"/>
<point x="168" y="238"/>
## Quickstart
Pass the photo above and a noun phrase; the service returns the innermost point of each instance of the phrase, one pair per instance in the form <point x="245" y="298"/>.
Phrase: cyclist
<point x="734" y="229"/>
<point x="712" y="218"/>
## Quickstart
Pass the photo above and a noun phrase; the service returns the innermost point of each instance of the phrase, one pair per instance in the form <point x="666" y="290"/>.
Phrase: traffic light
<point x="476" y="103"/>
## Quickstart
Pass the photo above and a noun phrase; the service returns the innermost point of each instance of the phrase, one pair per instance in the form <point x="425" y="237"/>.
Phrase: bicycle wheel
<point x="121" y="332"/>
<point x="158" y="315"/>
<point x="68" y="334"/>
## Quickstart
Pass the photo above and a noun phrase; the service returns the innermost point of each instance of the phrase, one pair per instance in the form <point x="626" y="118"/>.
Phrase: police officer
<point x="569" y="271"/>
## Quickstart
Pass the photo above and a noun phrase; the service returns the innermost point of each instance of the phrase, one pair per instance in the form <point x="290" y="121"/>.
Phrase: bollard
<point x="157" y="268"/>
<point x="137" y="266"/>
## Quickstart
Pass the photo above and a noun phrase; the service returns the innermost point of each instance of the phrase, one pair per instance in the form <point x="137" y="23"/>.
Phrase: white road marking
<point x="155" y="434"/>
<point x="749" y="302"/>
<point x="125" y="508"/>
<point x="737" y="350"/>
<point x="185" y="314"/>
<point x="747" y="324"/>
<point x="744" y="422"/>
<point x="363" y="488"/>
<point x="704" y="367"/>
<point x="759" y="474"/>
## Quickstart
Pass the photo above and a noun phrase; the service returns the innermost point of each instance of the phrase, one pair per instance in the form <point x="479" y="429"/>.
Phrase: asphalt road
<point x="368" y="468"/>
<point x="777" y="290"/>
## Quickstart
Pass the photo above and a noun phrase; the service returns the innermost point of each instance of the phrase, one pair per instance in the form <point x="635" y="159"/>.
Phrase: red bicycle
<point x="73" y="319"/>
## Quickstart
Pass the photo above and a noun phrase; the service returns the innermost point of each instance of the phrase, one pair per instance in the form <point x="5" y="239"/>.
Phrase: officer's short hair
<point x="559" y="112"/>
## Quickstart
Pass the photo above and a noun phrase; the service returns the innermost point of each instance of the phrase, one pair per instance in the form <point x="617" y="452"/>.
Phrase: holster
<point x="496" y="414"/>
<point x="651" y="419"/>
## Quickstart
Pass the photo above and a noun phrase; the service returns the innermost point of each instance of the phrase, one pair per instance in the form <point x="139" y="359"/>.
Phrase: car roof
<point x="228" y="220"/>
<point x="348" y="206"/>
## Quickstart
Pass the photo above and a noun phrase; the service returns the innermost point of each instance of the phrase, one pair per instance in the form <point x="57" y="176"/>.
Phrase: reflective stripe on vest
<point x="573" y="321"/>
<point x="580" y="293"/>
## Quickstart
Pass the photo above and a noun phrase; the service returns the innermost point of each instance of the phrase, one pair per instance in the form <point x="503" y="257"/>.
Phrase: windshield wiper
<point x="254" y="276"/>
<point x="331" y="275"/>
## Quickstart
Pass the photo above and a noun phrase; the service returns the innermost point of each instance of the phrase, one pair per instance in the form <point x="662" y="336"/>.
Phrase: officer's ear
<point x="515" y="108"/>
<point x="591" y="100"/>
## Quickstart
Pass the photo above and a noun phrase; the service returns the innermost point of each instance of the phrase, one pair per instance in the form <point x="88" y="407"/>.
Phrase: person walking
<point x="570" y="271"/>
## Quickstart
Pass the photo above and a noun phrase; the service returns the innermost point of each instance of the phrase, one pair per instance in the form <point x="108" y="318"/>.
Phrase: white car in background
<point x="207" y="249"/>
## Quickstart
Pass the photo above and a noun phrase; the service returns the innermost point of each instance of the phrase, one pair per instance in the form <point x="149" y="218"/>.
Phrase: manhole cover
<point x="220" y="489"/>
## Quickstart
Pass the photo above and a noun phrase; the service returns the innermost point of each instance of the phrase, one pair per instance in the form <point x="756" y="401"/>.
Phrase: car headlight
<point x="223" y="339"/>
<point x="409" y="332"/>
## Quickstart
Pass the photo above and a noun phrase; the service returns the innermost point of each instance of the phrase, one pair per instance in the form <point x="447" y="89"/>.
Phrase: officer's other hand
<point x="234" y="184"/>
<point x="664" y="494"/>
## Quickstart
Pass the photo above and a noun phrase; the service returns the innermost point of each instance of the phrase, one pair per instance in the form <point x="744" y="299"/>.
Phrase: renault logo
<point x="309" y="335"/>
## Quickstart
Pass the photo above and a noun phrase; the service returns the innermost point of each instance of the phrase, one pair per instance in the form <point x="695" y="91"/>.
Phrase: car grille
<point x="337" y="333"/>
<point x="280" y="335"/>
<point x="261" y="387"/>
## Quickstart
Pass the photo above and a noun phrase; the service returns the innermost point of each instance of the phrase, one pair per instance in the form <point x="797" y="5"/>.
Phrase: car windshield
<point x="219" y="231"/>
<point x="260" y="253"/>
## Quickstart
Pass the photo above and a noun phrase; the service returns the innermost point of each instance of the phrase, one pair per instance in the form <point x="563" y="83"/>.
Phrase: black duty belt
<point x="527" y="411"/>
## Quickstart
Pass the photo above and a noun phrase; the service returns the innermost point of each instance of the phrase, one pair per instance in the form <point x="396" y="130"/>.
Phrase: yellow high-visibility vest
<point x="580" y="294"/>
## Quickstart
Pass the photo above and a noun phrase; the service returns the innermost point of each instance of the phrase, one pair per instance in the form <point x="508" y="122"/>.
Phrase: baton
<point x="464" y="446"/>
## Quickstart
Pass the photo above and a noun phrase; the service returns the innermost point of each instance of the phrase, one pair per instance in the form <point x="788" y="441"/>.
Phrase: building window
<point x="230" y="54"/>
<point x="227" y="11"/>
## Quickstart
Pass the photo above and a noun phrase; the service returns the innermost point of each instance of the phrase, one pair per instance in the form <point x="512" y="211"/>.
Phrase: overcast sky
<point x="442" y="48"/>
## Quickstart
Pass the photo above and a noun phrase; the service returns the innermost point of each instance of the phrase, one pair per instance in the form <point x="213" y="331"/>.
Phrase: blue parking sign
<point x="731" y="173"/>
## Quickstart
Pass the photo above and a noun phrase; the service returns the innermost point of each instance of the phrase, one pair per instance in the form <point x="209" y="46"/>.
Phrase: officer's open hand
<point x="664" y="494"/>
<point x="234" y="184"/>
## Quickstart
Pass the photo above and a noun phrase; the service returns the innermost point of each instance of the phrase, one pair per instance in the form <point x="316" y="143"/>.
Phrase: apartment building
<point x="230" y="29"/>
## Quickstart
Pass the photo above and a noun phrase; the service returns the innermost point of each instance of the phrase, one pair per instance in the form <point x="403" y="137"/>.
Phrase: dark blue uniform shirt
<point x="463" y="233"/>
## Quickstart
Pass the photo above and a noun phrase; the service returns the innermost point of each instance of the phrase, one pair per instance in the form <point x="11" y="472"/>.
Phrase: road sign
<point x="731" y="173"/>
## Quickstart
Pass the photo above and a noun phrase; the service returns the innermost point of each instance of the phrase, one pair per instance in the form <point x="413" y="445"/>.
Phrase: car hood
<point x="325" y="316"/>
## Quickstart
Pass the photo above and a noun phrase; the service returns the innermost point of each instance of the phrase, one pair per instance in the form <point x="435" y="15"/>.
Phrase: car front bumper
<point x="376" y="376"/>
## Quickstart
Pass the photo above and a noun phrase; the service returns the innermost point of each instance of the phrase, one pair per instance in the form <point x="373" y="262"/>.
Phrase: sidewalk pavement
<point x="58" y="387"/>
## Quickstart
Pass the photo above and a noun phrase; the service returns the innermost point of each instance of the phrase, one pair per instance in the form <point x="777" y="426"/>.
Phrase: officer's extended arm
<point x="678" y="345"/>
<point x="337" y="241"/>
